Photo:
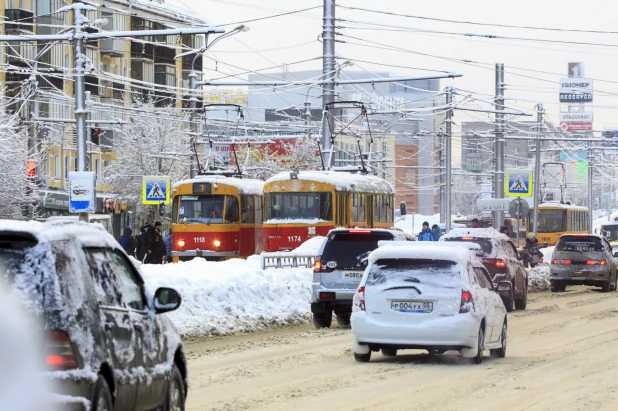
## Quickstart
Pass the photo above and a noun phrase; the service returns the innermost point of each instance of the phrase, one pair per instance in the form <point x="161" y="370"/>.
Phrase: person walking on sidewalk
<point x="426" y="234"/>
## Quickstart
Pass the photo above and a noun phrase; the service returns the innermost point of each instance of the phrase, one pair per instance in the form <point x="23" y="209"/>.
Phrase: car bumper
<point x="583" y="275"/>
<point x="457" y="331"/>
<point x="72" y="391"/>
<point x="341" y="294"/>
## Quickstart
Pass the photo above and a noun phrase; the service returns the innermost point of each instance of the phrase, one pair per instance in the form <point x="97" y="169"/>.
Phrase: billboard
<point x="576" y="121"/>
<point x="575" y="90"/>
<point x="572" y="156"/>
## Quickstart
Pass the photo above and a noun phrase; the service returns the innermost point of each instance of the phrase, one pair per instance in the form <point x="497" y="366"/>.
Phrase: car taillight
<point x="498" y="262"/>
<point x="359" y="299"/>
<point x="467" y="303"/>
<point x="560" y="262"/>
<point x="59" y="352"/>
<point x="317" y="265"/>
<point x="359" y="231"/>
<point x="595" y="262"/>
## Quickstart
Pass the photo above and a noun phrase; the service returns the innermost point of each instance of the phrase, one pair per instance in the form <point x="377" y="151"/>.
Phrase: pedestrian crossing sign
<point x="518" y="183"/>
<point x="156" y="190"/>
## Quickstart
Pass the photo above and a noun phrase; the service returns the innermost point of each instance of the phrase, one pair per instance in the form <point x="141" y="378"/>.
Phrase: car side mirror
<point x="504" y="286"/>
<point x="166" y="300"/>
<point x="616" y="254"/>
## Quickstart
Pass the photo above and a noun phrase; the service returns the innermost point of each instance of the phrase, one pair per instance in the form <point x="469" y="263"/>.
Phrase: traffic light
<point x="31" y="166"/>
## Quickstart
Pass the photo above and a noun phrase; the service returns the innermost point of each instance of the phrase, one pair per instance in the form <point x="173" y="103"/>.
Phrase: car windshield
<point x="208" y="209"/>
<point x="487" y="247"/>
<point x="549" y="221"/>
<point x="406" y="272"/>
<point x="13" y="250"/>
<point x="581" y="244"/>
<point x="298" y="206"/>
<point x="350" y="250"/>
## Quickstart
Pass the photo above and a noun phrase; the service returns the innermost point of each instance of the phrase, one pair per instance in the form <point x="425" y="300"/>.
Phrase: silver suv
<point x="339" y="267"/>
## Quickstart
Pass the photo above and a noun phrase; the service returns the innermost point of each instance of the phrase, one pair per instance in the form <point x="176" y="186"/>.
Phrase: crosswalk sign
<point x="156" y="190"/>
<point x="518" y="183"/>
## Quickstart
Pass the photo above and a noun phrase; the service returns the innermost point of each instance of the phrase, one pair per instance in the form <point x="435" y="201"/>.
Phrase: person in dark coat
<point x="475" y="223"/>
<point x="143" y="242"/>
<point x="437" y="233"/>
<point x="156" y="249"/>
<point x="127" y="241"/>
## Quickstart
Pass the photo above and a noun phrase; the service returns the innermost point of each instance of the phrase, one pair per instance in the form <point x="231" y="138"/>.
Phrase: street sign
<point x="155" y="190"/>
<point x="576" y="69"/>
<point x="575" y="90"/>
<point x="576" y="121"/>
<point x="518" y="183"/>
<point x="82" y="191"/>
<point x="493" y="204"/>
<point x="519" y="208"/>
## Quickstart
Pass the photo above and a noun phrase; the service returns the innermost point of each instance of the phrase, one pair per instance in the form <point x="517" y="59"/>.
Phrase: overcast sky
<point x="533" y="68"/>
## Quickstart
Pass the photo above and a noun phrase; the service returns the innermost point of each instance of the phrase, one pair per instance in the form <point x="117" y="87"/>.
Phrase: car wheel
<point x="389" y="352"/>
<point x="522" y="302"/>
<point x="323" y="320"/>
<point x="362" y="357"/>
<point x="175" y="396"/>
<point x="343" y="319"/>
<point x="613" y="286"/>
<point x="478" y="358"/>
<point x="508" y="302"/>
<point x="555" y="287"/>
<point x="102" y="399"/>
<point x="500" y="352"/>
<point x="606" y="287"/>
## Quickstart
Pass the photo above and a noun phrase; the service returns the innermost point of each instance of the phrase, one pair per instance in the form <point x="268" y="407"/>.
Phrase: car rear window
<point x="577" y="243"/>
<point x="13" y="251"/>
<point x="486" y="245"/>
<point x="407" y="272"/>
<point x="350" y="250"/>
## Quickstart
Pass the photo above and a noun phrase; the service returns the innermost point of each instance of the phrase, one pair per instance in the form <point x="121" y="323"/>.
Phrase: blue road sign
<point x="518" y="183"/>
<point x="155" y="190"/>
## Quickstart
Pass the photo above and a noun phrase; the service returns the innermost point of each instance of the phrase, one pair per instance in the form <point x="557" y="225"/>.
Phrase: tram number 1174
<point x="294" y="239"/>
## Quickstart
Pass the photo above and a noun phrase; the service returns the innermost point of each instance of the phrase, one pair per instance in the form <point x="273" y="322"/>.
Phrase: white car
<point x="428" y="296"/>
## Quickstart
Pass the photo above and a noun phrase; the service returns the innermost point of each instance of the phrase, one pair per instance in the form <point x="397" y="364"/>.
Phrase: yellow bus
<point x="299" y="205"/>
<point x="555" y="219"/>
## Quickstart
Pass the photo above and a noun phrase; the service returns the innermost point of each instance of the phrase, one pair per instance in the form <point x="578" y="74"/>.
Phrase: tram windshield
<point x="208" y="209"/>
<point x="298" y="206"/>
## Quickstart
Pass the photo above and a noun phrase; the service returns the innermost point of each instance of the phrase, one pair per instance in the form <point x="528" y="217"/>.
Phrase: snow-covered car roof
<point x="341" y="180"/>
<point x="244" y="185"/>
<point x="475" y="232"/>
<point x="434" y="251"/>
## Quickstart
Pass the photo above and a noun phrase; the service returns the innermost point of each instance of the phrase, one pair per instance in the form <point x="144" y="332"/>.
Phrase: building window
<point x="515" y="150"/>
<point x="165" y="75"/>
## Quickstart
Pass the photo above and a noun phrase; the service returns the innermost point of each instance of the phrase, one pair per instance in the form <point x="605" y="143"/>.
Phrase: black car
<point x="105" y="347"/>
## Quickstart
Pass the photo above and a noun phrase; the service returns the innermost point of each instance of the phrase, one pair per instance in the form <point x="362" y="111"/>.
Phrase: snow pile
<point x="538" y="278"/>
<point x="309" y="247"/>
<point x="233" y="296"/>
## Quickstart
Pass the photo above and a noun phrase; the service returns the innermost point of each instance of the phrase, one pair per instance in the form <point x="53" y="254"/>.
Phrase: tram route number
<point x="294" y="239"/>
<point x="199" y="239"/>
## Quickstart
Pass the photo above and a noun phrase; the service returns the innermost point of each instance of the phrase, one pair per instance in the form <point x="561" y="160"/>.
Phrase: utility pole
<point x="81" y="113"/>
<point x="498" y="216"/>
<point x="307" y="117"/>
<point x="449" y="160"/>
<point x="537" y="165"/>
<point x="384" y="156"/>
<point x="193" y="121"/>
<point x="591" y="200"/>
<point x="441" y="198"/>
<point x="328" y="74"/>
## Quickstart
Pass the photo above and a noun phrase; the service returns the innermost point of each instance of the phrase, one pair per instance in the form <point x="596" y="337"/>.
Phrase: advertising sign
<point x="576" y="121"/>
<point x="82" y="192"/>
<point x="575" y="90"/>
<point x="518" y="183"/>
<point x="571" y="126"/>
<point x="155" y="190"/>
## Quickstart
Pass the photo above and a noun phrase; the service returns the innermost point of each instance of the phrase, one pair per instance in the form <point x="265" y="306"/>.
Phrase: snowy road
<point x="562" y="354"/>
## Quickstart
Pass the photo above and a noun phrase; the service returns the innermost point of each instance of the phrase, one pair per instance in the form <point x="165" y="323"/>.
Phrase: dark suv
<point x="499" y="256"/>
<point x="105" y="349"/>
<point x="339" y="267"/>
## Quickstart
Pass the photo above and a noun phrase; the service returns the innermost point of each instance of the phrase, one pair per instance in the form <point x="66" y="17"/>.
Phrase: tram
<point x="216" y="217"/>
<point x="299" y="205"/>
<point x="555" y="219"/>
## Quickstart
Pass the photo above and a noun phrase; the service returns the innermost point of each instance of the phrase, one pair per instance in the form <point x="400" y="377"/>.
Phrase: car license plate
<point x="350" y="275"/>
<point x="579" y="273"/>
<point x="411" y="306"/>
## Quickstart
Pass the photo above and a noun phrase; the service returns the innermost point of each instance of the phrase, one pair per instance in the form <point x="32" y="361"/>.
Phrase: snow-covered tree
<point x="464" y="193"/>
<point x="17" y="190"/>
<point x="303" y="154"/>
<point x="153" y="143"/>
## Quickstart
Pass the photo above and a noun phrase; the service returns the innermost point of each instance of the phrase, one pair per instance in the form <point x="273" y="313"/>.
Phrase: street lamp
<point x="193" y="85"/>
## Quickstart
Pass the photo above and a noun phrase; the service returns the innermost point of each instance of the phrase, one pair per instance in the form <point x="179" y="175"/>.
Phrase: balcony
<point x="188" y="60"/>
<point x="163" y="98"/>
<point x="112" y="90"/>
<point x="113" y="47"/>
<point x="92" y="85"/>
<point x="164" y="55"/>
<point x="18" y="51"/>
<point x="23" y="16"/>
<point x="142" y="51"/>
<point x="53" y="80"/>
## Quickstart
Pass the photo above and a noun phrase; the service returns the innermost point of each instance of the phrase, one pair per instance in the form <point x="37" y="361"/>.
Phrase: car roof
<point x="583" y="236"/>
<point x="435" y="251"/>
<point x="488" y="233"/>
<point x="372" y="230"/>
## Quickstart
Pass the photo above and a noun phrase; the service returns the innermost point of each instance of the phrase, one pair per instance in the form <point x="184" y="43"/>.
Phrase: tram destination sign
<point x="575" y="90"/>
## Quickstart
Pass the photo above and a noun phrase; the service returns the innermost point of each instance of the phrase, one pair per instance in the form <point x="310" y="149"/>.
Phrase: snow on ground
<point x="538" y="278"/>
<point x="413" y="223"/>
<point x="233" y="296"/>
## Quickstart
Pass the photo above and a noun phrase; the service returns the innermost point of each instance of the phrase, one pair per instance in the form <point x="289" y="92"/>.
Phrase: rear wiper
<point x="412" y="280"/>
<point x="403" y="287"/>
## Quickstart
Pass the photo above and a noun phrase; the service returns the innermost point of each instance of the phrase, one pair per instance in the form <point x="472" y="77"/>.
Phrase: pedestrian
<point x="156" y="249"/>
<point x="425" y="234"/>
<point x="143" y="242"/>
<point x="475" y="223"/>
<point x="127" y="241"/>
<point x="505" y="230"/>
<point x="435" y="230"/>
<point x="168" y="246"/>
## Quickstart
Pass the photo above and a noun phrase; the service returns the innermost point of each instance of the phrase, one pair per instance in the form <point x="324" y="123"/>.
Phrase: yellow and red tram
<point x="299" y="205"/>
<point x="216" y="217"/>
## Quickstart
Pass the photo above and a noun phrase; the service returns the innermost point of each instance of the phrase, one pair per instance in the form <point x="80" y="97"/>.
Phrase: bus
<point x="555" y="219"/>
<point x="299" y="205"/>
<point x="216" y="217"/>
<point x="609" y="231"/>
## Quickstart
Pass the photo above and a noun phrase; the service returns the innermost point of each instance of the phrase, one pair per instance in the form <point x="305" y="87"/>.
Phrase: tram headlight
<point x="217" y="243"/>
<point x="181" y="243"/>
